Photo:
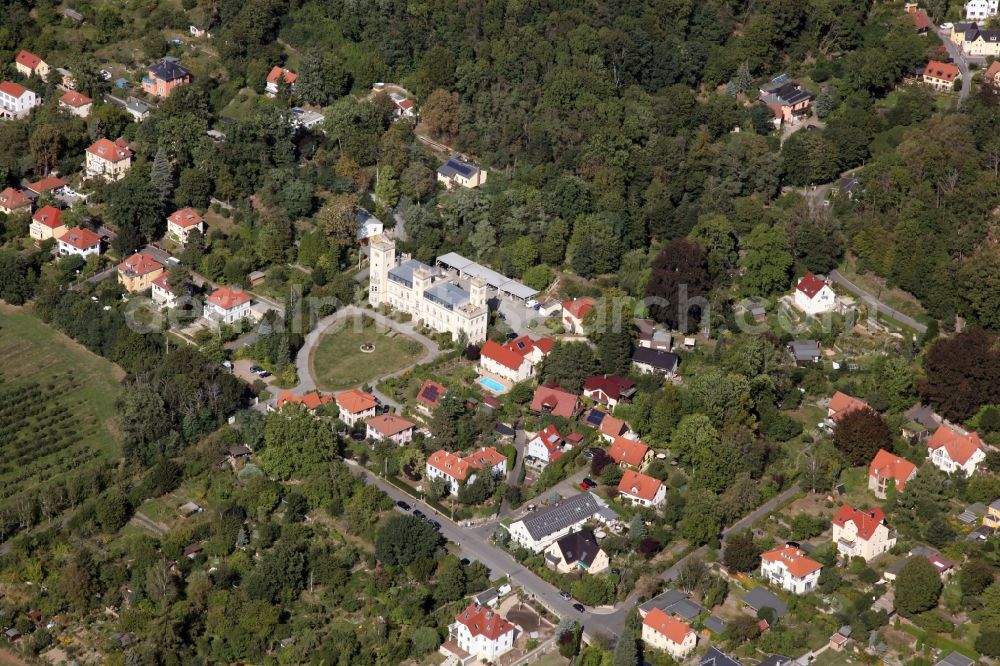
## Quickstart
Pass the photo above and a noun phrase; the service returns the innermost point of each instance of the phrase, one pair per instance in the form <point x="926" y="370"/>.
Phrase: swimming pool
<point x="491" y="384"/>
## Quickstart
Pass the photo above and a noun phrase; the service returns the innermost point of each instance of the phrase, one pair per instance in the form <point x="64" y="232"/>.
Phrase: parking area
<point x="241" y="369"/>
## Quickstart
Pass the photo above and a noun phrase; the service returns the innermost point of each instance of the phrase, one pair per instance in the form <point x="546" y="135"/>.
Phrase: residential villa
<point x="429" y="396"/>
<point x="369" y="226"/>
<point x="138" y="272"/>
<point x="886" y="469"/>
<point x="163" y="293"/>
<point x="789" y="568"/>
<point x="164" y="76"/>
<point x="787" y="100"/>
<point x="274" y="79"/>
<point x="355" y="405"/>
<point x="457" y="471"/>
<point x="457" y="171"/>
<point x="577" y="551"/>
<point x="814" y="296"/>
<point x="12" y="200"/>
<point x="76" y="104"/>
<point x="28" y="64"/>
<point x="227" y="305"/>
<point x="402" y="107"/>
<point x="611" y="428"/>
<point x="655" y="361"/>
<point x="630" y="453"/>
<point x="436" y="300"/>
<point x="538" y="530"/>
<point x="842" y="404"/>
<point x="980" y="10"/>
<point x="953" y="450"/>
<point x="480" y="632"/>
<point x="991" y="518"/>
<point x="668" y="634"/>
<point x="48" y="184"/>
<point x="311" y="400"/>
<point x="79" y="241"/>
<point x="516" y="360"/>
<point x="108" y="159"/>
<point x="941" y="76"/>
<point x="553" y="399"/>
<point x="546" y="446"/>
<point x="861" y="533"/>
<point x="390" y="427"/>
<point x="573" y="313"/>
<point x="182" y="222"/>
<point x="608" y="390"/>
<point x="47" y="223"/>
<point x="641" y="489"/>
<point x="16" y="101"/>
<point x="981" y="42"/>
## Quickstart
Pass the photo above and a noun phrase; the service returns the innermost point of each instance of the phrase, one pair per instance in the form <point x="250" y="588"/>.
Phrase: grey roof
<point x="789" y="93"/>
<point x="362" y="216"/>
<point x="775" y="660"/>
<point x="457" y="166"/>
<point x="657" y="358"/>
<point x="168" y="69"/>
<point x="687" y="609"/>
<point x="404" y="271"/>
<point x="504" y="430"/>
<point x="775" y="83"/>
<point x="955" y="659"/>
<point x="804" y="350"/>
<point x="454" y="260"/>
<point x="72" y="14"/>
<point x="995" y="504"/>
<point x="664" y="601"/>
<point x="569" y="512"/>
<point x="468" y="268"/>
<point x="924" y="415"/>
<point x="447" y="294"/>
<point x="139" y="107"/>
<point x="715" y="624"/>
<point x="494" y="279"/>
<point x="716" y="657"/>
<point x="758" y="598"/>
<point x="515" y="288"/>
<point x="485" y="597"/>
<point x="579" y="547"/>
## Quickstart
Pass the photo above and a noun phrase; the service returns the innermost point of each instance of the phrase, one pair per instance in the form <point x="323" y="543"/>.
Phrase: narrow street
<point x="957" y="57"/>
<point x="879" y="305"/>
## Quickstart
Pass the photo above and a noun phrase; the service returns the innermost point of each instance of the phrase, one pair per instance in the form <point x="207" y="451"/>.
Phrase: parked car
<point x="418" y="513"/>
<point x="590" y="482"/>
<point x="579" y="608"/>
<point x="256" y="369"/>
<point x="565" y="595"/>
<point x="465" y="561"/>
<point x="436" y="524"/>
<point x="263" y="374"/>
<point x="584" y="486"/>
<point x="403" y="505"/>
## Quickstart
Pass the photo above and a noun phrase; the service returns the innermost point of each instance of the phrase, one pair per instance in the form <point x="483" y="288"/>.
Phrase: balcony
<point x="845" y="546"/>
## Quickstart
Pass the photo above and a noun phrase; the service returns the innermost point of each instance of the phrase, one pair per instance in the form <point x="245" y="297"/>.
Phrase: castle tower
<point x="477" y="292"/>
<point x="382" y="259"/>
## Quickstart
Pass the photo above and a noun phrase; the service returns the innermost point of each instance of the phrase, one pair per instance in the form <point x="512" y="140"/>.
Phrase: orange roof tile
<point x="311" y="400"/>
<point x="110" y="151"/>
<point x="550" y="438"/>
<point x="512" y="354"/>
<point x="675" y="630"/>
<point x="794" y="559"/>
<point x="553" y="399"/>
<point x="612" y="426"/>
<point x="228" y="298"/>
<point x="866" y="522"/>
<point x="161" y="282"/>
<point x="941" y="70"/>
<point x="185" y="217"/>
<point x="80" y="238"/>
<point x="449" y="464"/>
<point x="888" y="466"/>
<point x="75" y="99"/>
<point x="628" y="451"/>
<point x="485" y="456"/>
<point x="140" y="264"/>
<point x="483" y="621"/>
<point x="579" y="307"/>
<point x="28" y="59"/>
<point x="46" y="184"/>
<point x="277" y="72"/>
<point x="389" y="425"/>
<point x="11" y="198"/>
<point x="12" y="89"/>
<point x="841" y="404"/>
<point x="959" y="447"/>
<point x="50" y="216"/>
<point x="356" y="401"/>
<point x="639" y="485"/>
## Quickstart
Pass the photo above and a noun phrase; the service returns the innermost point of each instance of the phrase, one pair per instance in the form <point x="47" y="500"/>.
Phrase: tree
<point x="694" y="432"/>
<point x="700" y="523"/>
<point x="321" y="79"/>
<point x="988" y="643"/>
<point x="295" y="443"/>
<point x="134" y="208"/>
<point x="767" y="261"/>
<point x="161" y="175"/>
<point x="404" y="539"/>
<point x="626" y="650"/>
<point x="440" y="114"/>
<point x="962" y="372"/>
<point x="974" y="577"/>
<point x="336" y="218"/>
<point x="691" y="574"/>
<point x="678" y="285"/>
<point x="918" y="587"/>
<point x="859" y="435"/>
<point x="143" y="422"/>
<point x="113" y="511"/>
<point x="740" y="552"/>
<point x="615" y="351"/>
<point x="569" y="364"/>
<point x="450" y="580"/>
<point x="825" y="102"/>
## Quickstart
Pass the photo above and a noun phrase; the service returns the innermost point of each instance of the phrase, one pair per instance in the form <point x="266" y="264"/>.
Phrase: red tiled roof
<point x="610" y="385"/>
<point x="628" y="451"/>
<point x="277" y="73"/>
<point x="866" y="522"/>
<point x="185" y="217"/>
<point x="639" y="485"/>
<point x="228" y="298"/>
<point x="485" y="456"/>
<point x="579" y="307"/>
<point x="12" y="89"/>
<point x="449" y="464"/>
<point x="11" y="198"/>
<point x="28" y="59"/>
<point x="75" y="99"/>
<point x="941" y="70"/>
<point x="356" y="401"/>
<point x="46" y="184"/>
<point x="959" y="447"/>
<point x="161" y="282"/>
<point x="431" y="393"/>
<point x="111" y="151"/>
<point x="50" y="216"/>
<point x="841" y="404"/>
<point x="612" y="426"/>
<point x="810" y="285"/>
<point x="140" y="264"/>
<point x="888" y="466"/>
<point x="405" y="103"/>
<point x="941" y="564"/>
<point x="992" y="71"/>
<point x="389" y="424"/>
<point x="80" y="238"/>
<point x="311" y="400"/>
<point x="555" y="400"/>
<point x="513" y="353"/>
<point x="675" y="630"/>
<point x="794" y="559"/>
<point x="920" y="20"/>
<point x="550" y="438"/>
<point x="483" y="621"/>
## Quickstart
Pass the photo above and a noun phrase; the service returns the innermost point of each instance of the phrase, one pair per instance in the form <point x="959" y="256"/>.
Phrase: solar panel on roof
<point x="431" y="393"/>
<point x="595" y="417"/>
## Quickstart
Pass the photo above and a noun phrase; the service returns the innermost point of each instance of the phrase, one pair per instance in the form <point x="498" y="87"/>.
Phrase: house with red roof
<point x="47" y="184"/>
<point x="429" y="396"/>
<point x="553" y="399"/>
<point x="608" y="389"/>
<point x="109" y="160"/>
<point x="668" y="634"/>
<point x="574" y="311"/>
<point x="814" y="296"/>
<point x="481" y="632"/>
<point x="13" y="200"/>
<point x="79" y="241"/>
<point x="390" y="427"/>
<point x="516" y="360"/>
<point x="861" y="532"/>
<point x="402" y="107"/>
<point x="641" y="489"/>
<point x="16" y="101"/>
<point x="842" y="404"/>
<point x="275" y="77"/>
<point x="953" y="450"/>
<point x="227" y="305"/>
<point x="991" y="76"/>
<point x="887" y="468"/>
<point x="630" y="453"/>
<point x="941" y="76"/>
<point x="457" y="470"/>
<point x="791" y="569"/>
<point x="355" y="405"/>
<point x="76" y="104"/>
<point x="47" y="223"/>
<point x="921" y="21"/>
<point x="28" y="64"/>
<point x="312" y="400"/>
<point x="546" y="446"/>
<point x="164" y="293"/>
<point x="182" y="222"/>
<point x="137" y="272"/>
<point x="612" y="428"/>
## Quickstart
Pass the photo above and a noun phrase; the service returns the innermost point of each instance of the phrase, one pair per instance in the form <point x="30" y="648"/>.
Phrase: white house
<point x="516" y="360"/>
<point x="574" y="311"/>
<point x="275" y="77"/>
<point x="16" y="101"/>
<point x="163" y="294"/>
<point x="456" y="470"/>
<point x="538" y="530"/>
<point x="79" y="241"/>
<point x="182" y="222"/>
<point x="355" y="405"/>
<point x="861" y="533"/>
<point x="369" y="226"/>
<point x="546" y="445"/>
<point x="107" y="159"/>
<point x="480" y="631"/>
<point x="668" y="634"/>
<point x="390" y="427"/>
<point x="577" y="551"/>
<point x="814" y="296"/>
<point x="789" y="568"/>
<point x="457" y="171"/>
<point x="641" y="489"/>
<point x="955" y="451"/>
<point x="979" y="10"/>
<point x="76" y="104"/>
<point x="226" y="305"/>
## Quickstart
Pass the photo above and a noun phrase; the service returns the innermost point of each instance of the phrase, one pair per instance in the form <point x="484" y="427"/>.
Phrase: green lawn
<point x="240" y="106"/>
<point x="338" y="362"/>
<point x="56" y="404"/>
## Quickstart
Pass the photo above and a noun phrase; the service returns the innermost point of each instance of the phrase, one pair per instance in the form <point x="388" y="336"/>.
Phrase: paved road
<point x="959" y="59"/>
<point x="879" y="306"/>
